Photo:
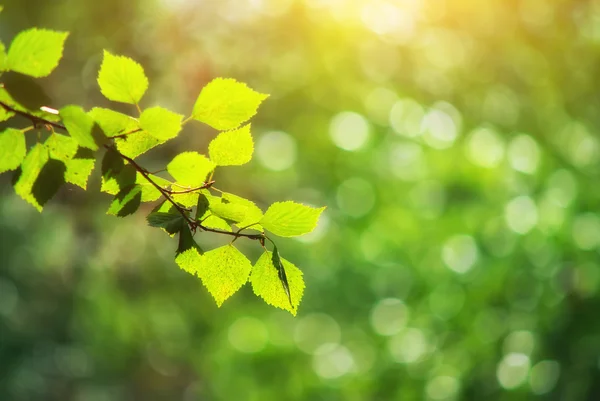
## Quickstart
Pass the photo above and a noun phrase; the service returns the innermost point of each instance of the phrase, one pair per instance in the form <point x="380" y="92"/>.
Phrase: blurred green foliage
<point x="456" y="146"/>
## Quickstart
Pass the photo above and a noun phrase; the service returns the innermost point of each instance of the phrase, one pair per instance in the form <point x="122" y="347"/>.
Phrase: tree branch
<point x="193" y="224"/>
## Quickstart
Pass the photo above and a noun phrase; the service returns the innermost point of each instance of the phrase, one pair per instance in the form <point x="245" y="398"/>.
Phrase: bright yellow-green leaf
<point x="190" y="168"/>
<point x="79" y="170"/>
<point x="211" y="221"/>
<point x="187" y="199"/>
<point x="225" y="104"/>
<point x="79" y="125"/>
<point x="232" y="148"/>
<point x="61" y="147"/>
<point x="133" y="145"/>
<point x="113" y="123"/>
<point x="161" y="123"/>
<point x="12" y="149"/>
<point x="121" y="79"/>
<point x="267" y="284"/>
<point x="252" y="213"/>
<point x="36" y="52"/>
<point x="224" y="270"/>
<point x="290" y="219"/>
<point x="190" y="260"/>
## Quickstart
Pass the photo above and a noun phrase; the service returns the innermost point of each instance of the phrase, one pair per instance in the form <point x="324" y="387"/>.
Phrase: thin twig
<point x="35" y="120"/>
<point x="204" y="186"/>
<point x="123" y="135"/>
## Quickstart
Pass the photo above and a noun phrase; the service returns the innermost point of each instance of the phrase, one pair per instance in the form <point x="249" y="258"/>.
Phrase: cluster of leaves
<point x="189" y="201"/>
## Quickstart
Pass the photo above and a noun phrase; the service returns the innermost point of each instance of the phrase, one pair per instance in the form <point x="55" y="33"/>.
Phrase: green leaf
<point x="225" y="104"/>
<point x="201" y="206"/>
<point x="170" y="221"/>
<point x="79" y="125"/>
<point x="127" y="176"/>
<point x="40" y="177"/>
<point x="121" y="79"/>
<point x="61" y="147"/>
<point x="232" y="148"/>
<point x="188" y="199"/>
<point x="167" y="207"/>
<point x="2" y="57"/>
<point x="161" y="123"/>
<point x="80" y="167"/>
<point x="290" y="219"/>
<point x="136" y="144"/>
<point x="252" y="213"/>
<point x="190" y="168"/>
<point x="233" y="212"/>
<point x="79" y="162"/>
<point x="189" y="255"/>
<point x="113" y="123"/>
<point x="12" y="149"/>
<point x="224" y="271"/>
<point x="5" y="97"/>
<point x="126" y="202"/>
<point x="36" y="52"/>
<point x="211" y="221"/>
<point x="267" y="284"/>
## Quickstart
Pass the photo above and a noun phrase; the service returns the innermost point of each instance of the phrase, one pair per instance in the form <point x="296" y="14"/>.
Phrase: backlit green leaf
<point x="80" y="167"/>
<point x="79" y="161"/>
<point x="121" y="79"/>
<point x="12" y="149"/>
<point x="113" y="123"/>
<point x="161" y="123"/>
<point x="252" y="213"/>
<point x="126" y="202"/>
<point x="190" y="168"/>
<point x="232" y="148"/>
<point x="36" y="52"/>
<point x="224" y="271"/>
<point x="188" y="199"/>
<point x="40" y="177"/>
<point x="225" y="104"/>
<point x="189" y="256"/>
<point x="266" y="283"/>
<point x="211" y="221"/>
<point x="135" y="144"/>
<point x="79" y="125"/>
<point x="290" y="219"/>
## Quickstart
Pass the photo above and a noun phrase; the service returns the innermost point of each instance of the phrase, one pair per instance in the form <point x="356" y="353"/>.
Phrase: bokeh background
<point x="455" y="143"/>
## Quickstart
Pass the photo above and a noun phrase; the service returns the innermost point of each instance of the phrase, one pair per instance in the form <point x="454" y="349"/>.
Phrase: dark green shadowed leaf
<point x="12" y="149"/>
<point x="121" y="79"/>
<point x="79" y="125"/>
<point x="36" y="52"/>
<point x="126" y="202"/>
<point x="170" y="221"/>
<point x="201" y="206"/>
<point x="281" y="273"/>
